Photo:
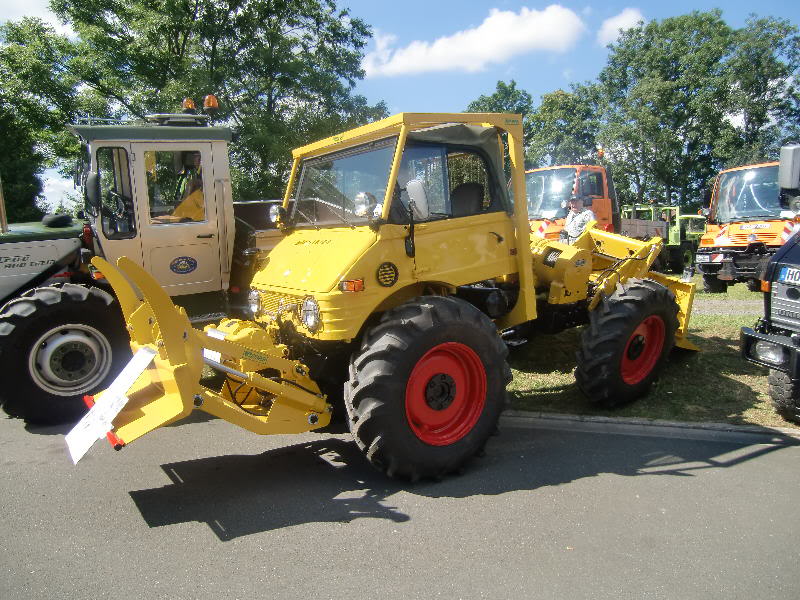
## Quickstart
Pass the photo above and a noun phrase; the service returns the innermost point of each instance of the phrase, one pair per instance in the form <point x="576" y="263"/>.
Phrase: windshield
<point x="548" y="192"/>
<point x="748" y="194"/>
<point x="344" y="188"/>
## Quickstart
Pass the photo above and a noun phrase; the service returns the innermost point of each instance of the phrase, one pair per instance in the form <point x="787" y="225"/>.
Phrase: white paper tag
<point x="97" y="422"/>
<point x="210" y="354"/>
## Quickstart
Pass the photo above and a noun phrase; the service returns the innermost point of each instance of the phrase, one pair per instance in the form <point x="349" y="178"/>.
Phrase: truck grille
<point x="271" y="301"/>
<point x="741" y="238"/>
<point x="785" y="306"/>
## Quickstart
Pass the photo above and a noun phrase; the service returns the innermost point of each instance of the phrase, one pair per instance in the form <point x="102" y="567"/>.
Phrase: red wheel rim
<point x="643" y="350"/>
<point x="445" y="394"/>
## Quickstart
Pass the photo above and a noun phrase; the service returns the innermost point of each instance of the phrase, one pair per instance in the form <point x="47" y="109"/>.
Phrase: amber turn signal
<point x="352" y="285"/>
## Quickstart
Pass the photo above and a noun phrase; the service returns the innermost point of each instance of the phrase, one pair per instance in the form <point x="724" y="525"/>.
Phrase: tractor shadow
<point x="327" y="480"/>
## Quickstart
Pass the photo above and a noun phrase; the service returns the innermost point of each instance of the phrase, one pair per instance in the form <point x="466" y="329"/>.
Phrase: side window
<point x="175" y="186"/>
<point x="427" y="164"/>
<point x="469" y="183"/>
<point x="116" y="209"/>
<point x="592" y="183"/>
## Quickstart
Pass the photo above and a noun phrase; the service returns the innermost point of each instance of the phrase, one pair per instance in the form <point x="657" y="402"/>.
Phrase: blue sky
<point x="420" y="56"/>
<point x="439" y="55"/>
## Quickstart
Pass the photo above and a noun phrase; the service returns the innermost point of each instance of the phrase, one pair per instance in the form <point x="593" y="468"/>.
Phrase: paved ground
<point x="555" y="510"/>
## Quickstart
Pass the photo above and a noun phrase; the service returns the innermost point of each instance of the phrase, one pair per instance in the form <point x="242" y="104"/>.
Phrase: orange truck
<point x="748" y="220"/>
<point x="549" y="188"/>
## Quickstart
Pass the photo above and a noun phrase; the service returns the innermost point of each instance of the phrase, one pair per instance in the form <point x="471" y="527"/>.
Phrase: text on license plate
<point x="789" y="275"/>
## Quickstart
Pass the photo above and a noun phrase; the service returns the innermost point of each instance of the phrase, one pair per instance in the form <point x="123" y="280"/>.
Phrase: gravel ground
<point x="727" y="307"/>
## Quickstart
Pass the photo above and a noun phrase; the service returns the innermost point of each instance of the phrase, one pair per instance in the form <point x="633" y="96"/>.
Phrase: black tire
<point x="785" y="395"/>
<point x="434" y="358"/>
<point x="753" y="285"/>
<point x="681" y="257"/>
<point x="59" y="343"/>
<point x="713" y="285"/>
<point x="629" y="337"/>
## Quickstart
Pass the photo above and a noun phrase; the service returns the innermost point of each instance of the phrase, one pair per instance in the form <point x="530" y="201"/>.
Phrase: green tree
<point x="506" y="98"/>
<point x="564" y="128"/>
<point x="762" y="73"/>
<point x="664" y="103"/>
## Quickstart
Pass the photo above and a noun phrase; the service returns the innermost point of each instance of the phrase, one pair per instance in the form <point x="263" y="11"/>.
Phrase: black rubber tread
<point x="713" y="285"/>
<point x="785" y="395"/>
<point x="676" y="260"/>
<point x="24" y="319"/>
<point x="753" y="285"/>
<point x="379" y="371"/>
<point x="611" y="324"/>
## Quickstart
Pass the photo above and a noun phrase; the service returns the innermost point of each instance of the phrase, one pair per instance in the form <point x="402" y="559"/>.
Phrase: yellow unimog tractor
<point x="402" y="267"/>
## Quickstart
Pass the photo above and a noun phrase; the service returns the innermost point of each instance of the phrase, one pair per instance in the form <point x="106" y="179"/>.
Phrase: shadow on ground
<point x="328" y="480"/>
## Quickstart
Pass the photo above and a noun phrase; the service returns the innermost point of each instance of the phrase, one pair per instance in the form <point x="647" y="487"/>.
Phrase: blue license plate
<point x="789" y="275"/>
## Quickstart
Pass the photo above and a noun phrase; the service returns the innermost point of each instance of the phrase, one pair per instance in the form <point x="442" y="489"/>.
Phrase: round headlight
<point x="309" y="314"/>
<point x="254" y="302"/>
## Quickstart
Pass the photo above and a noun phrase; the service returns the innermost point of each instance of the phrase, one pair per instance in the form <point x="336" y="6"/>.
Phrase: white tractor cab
<point x="158" y="192"/>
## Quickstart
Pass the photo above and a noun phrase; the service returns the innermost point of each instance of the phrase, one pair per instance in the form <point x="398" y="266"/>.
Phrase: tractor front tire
<point x="785" y="395"/>
<point x="629" y="337"/>
<point x="714" y="285"/>
<point x="57" y="344"/>
<point x="427" y="387"/>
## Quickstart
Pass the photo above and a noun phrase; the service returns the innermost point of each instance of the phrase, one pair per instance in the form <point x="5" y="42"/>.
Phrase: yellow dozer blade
<point x="616" y="259"/>
<point x="262" y="391"/>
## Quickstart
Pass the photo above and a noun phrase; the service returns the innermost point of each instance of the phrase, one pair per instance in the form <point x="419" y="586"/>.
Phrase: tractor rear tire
<point x="57" y="344"/>
<point x="627" y="342"/>
<point x="785" y="395"/>
<point x="681" y="257"/>
<point x="713" y="285"/>
<point x="427" y="387"/>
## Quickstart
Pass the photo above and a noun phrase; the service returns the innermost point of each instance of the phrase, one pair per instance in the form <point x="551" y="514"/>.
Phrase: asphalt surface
<point x="556" y="509"/>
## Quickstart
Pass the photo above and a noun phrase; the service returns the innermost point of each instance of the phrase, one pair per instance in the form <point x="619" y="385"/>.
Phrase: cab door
<point x="470" y="236"/>
<point x="179" y="216"/>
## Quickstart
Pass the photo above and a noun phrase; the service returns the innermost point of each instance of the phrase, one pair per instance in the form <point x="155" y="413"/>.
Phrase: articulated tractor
<point x="402" y="267"/>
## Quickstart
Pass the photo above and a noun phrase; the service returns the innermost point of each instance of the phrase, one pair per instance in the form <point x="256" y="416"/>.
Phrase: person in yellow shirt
<point x="192" y="203"/>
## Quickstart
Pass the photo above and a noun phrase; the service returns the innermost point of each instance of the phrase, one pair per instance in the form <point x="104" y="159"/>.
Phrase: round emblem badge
<point x="387" y="274"/>
<point x="183" y="265"/>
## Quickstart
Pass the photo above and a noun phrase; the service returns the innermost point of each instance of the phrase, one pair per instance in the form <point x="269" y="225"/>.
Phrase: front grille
<point x="767" y="238"/>
<point x="785" y="306"/>
<point x="272" y="301"/>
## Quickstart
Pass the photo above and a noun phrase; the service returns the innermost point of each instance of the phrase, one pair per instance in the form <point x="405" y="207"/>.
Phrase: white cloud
<point x="57" y="189"/>
<point x="611" y="27"/>
<point x="14" y="10"/>
<point x="501" y="36"/>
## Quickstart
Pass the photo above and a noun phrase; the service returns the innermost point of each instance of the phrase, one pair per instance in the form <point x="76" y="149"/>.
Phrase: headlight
<point x="309" y="314"/>
<point x="768" y="352"/>
<point x="254" y="302"/>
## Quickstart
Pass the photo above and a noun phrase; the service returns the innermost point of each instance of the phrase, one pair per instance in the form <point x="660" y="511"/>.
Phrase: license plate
<point x="703" y="258"/>
<point x="789" y="275"/>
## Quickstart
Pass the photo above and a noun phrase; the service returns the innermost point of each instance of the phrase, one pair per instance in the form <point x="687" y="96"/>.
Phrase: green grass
<point x="714" y="385"/>
<point x="737" y="291"/>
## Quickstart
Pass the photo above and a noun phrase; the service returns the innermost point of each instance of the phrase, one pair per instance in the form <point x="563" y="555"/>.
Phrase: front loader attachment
<point x="260" y="390"/>
<point x="616" y="259"/>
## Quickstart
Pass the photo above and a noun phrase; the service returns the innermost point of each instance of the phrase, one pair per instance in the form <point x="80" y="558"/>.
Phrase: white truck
<point x="157" y="192"/>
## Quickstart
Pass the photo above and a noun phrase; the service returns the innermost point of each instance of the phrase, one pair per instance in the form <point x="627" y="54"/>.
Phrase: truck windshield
<point x="548" y="192"/>
<point x="748" y="194"/>
<point x="344" y="188"/>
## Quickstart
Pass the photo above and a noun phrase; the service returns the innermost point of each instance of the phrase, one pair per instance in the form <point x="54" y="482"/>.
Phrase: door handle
<point x="205" y="235"/>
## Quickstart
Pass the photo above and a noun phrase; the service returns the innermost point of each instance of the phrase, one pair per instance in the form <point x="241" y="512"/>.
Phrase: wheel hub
<point x="440" y="391"/>
<point x="636" y="347"/>
<point x="70" y="359"/>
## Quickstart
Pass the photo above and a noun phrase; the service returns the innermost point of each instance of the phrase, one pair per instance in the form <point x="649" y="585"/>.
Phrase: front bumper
<point x="781" y="345"/>
<point x="732" y="266"/>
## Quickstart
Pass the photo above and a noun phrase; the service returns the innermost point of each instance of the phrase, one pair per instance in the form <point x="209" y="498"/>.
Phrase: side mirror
<point x="418" y="200"/>
<point x="789" y="169"/>
<point x="91" y="193"/>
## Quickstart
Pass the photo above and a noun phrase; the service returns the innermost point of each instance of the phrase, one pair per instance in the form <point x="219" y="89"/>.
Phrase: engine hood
<point x="311" y="260"/>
